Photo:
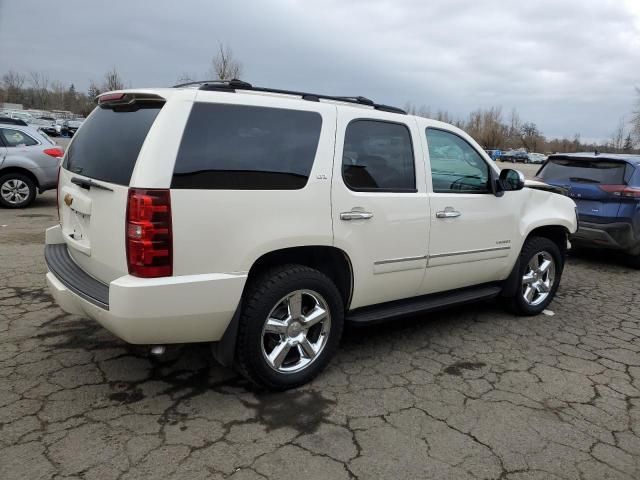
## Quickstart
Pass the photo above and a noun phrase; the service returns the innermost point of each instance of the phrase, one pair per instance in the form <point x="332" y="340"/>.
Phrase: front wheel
<point x="541" y="265"/>
<point x="290" y="327"/>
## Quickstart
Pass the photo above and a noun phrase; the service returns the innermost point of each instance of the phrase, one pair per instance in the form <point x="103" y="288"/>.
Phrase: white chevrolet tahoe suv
<point x="262" y="220"/>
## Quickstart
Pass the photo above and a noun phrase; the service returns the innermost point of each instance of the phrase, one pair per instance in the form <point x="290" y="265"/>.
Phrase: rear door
<point x="379" y="204"/>
<point x="94" y="182"/>
<point x="588" y="181"/>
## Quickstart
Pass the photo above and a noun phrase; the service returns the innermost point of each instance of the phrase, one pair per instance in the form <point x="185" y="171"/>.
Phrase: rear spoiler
<point x="127" y="100"/>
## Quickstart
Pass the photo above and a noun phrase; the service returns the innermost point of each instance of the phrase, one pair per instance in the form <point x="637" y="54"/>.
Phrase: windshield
<point x="107" y="146"/>
<point x="584" y="171"/>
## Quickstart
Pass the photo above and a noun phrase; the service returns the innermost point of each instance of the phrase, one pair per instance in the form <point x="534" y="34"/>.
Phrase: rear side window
<point x="15" y="138"/>
<point x="378" y="156"/>
<point x="246" y="148"/>
<point x="108" y="144"/>
<point x="584" y="171"/>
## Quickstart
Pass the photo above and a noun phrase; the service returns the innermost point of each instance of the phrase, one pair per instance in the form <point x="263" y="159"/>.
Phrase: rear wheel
<point x="290" y="327"/>
<point x="541" y="265"/>
<point x="16" y="190"/>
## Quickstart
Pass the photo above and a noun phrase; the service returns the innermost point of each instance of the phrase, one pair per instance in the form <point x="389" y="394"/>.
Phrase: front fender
<point x="545" y="209"/>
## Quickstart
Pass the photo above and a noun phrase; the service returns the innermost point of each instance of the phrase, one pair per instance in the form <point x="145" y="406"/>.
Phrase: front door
<point x="472" y="230"/>
<point x="380" y="205"/>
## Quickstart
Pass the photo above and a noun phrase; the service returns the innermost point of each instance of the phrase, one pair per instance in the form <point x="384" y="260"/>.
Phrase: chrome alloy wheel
<point x="296" y="331"/>
<point x="538" y="278"/>
<point x="14" y="191"/>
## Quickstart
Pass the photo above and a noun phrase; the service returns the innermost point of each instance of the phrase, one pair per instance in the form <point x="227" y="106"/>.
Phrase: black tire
<point x="18" y="177"/>
<point x="533" y="247"/>
<point x="634" y="261"/>
<point x="264" y="293"/>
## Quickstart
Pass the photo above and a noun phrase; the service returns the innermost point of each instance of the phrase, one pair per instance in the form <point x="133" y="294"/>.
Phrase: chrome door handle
<point x="355" y="215"/>
<point x="448" y="213"/>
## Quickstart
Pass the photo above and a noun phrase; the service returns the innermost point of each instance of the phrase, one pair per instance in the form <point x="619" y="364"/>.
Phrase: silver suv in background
<point x="29" y="162"/>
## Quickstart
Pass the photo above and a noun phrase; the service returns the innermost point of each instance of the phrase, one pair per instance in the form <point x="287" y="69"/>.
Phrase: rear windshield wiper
<point x="88" y="183"/>
<point x="584" y="180"/>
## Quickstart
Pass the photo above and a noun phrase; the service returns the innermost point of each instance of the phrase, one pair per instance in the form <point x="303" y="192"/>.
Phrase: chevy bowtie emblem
<point x="68" y="199"/>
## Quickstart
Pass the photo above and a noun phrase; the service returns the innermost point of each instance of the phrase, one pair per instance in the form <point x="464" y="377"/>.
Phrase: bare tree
<point x="93" y="91"/>
<point x="617" y="138"/>
<point x="224" y="66"/>
<point x="40" y="86"/>
<point x="186" y="78"/>
<point x="635" y="117"/>
<point x="112" y="81"/>
<point x="12" y="84"/>
<point x="57" y="94"/>
<point x="424" y="111"/>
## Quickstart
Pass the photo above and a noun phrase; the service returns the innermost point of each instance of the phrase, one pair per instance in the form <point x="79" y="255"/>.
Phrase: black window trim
<point x="381" y="190"/>
<point x="491" y="180"/>
<point x="2" y="142"/>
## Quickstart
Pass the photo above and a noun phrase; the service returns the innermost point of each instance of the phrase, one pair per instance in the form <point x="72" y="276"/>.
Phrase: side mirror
<point x="510" y="180"/>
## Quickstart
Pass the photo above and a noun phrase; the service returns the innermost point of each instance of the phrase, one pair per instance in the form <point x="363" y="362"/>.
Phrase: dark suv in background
<point x="606" y="189"/>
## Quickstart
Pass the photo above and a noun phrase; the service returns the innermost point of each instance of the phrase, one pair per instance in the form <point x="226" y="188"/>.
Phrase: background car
<point x="537" y="158"/>
<point x="514" y="156"/>
<point x="606" y="189"/>
<point x="12" y="121"/>
<point x="26" y="117"/>
<point x="495" y="154"/>
<point x="29" y="162"/>
<point x="70" y="127"/>
<point x="47" y="125"/>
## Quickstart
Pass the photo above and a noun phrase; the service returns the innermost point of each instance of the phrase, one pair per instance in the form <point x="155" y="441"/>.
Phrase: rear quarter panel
<point x="44" y="167"/>
<point x="226" y="231"/>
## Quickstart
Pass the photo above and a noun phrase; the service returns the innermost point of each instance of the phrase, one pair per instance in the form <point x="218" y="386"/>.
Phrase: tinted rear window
<point x="588" y="171"/>
<point x="246" y="148"/>
<point x="107" y="146"/>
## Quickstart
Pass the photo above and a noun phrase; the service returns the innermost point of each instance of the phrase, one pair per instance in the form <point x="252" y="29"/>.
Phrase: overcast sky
<point x="567" y="65"/>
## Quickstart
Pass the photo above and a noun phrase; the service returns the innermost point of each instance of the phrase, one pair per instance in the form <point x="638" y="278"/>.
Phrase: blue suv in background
<point x="606" y="189"/>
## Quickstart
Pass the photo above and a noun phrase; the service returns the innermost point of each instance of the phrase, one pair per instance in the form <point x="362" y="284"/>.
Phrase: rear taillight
<point x="148" y="237"/>
<point x="55" y="152"/>
<point x="58" y="192"/>
<point x="621" y="190"/>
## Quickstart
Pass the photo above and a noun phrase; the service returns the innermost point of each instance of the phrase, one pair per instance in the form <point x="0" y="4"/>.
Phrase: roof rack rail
<point x="235" y="84"/>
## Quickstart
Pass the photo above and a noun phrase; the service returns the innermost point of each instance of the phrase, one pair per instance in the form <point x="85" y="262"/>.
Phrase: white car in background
<point x="537" y="158"/>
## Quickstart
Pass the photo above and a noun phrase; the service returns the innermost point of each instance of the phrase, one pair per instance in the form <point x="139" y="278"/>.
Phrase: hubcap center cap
<point x="295" y="331"/>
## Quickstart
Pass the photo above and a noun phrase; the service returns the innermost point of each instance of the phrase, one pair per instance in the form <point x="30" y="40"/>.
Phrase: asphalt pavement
<point x="469" y="393"/>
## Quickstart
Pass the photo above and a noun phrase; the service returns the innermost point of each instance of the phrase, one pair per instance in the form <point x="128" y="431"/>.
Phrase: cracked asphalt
<point x="468" y="393"/>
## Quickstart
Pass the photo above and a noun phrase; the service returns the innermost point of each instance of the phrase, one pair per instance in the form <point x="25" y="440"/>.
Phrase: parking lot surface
<point x="468" y="393"/>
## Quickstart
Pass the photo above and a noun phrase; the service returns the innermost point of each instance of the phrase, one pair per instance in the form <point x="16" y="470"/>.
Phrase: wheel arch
<point x="23" y="171"/>
<point x="331" y="261"/>
<point x="558" y="234"/>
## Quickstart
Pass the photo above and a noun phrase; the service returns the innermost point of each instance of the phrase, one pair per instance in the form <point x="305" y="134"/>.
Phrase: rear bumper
<point x="183" y="309"/>
<point x="617" y="236"/>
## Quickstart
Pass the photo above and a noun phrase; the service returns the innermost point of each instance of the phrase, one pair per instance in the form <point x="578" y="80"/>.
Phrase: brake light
<point x="58" y="192"/>
<point x="55" y="152"/>
<point x="621" y="190"/>
<point x="110" y="97"/>
<point x="149" y="240"/>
